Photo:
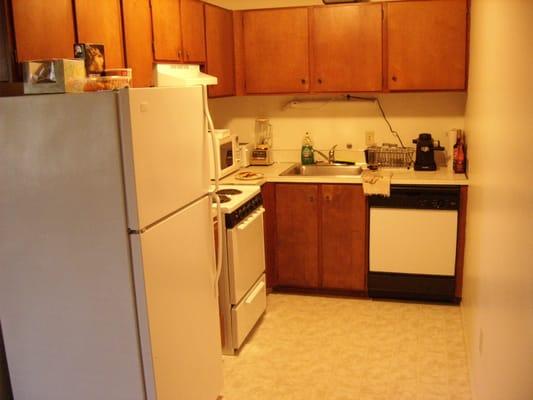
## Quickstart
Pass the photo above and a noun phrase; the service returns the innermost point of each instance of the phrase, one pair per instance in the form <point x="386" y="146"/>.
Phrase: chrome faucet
<point x="331" y="154"/>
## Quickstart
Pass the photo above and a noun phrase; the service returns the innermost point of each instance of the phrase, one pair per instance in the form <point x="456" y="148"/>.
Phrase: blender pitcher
<point x="263" y="133"/>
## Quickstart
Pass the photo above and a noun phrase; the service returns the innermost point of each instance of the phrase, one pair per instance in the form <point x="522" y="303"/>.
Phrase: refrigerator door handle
<point x="218" y="267"/>
<point x="213" y="194"/>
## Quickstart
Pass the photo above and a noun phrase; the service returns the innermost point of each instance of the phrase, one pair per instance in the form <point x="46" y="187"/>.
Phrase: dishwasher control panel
<point x="419" y="197"/>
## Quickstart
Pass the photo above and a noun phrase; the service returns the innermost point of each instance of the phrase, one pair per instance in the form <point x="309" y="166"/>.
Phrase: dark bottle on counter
<point x="459" y="156"/>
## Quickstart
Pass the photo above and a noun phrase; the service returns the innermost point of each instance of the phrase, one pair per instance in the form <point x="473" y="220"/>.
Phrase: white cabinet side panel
<point x="413" y="241"/>
<point x="165" y="151"/>
<point x="178" y="265"/>
<point x="66" y="287"/>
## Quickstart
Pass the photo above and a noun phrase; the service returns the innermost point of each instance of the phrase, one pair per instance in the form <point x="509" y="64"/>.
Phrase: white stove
<point x="234" y="196"/>
<point x="242" y="281"/>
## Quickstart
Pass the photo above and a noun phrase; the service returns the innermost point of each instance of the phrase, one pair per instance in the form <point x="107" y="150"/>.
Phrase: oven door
<point x="246" y="254"/>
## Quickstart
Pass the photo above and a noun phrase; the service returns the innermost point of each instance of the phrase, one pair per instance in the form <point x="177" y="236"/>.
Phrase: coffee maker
<point x="425" y="152"/>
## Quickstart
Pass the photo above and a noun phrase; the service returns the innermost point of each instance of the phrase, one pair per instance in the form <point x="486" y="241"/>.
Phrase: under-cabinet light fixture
<point x="343" y="1"/>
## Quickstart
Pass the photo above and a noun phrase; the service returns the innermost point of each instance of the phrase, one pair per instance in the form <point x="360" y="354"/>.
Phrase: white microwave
<point x="226" y="158"/>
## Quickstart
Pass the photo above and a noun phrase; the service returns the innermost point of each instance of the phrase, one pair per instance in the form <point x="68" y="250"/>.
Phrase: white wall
<point x="498" y="283"/>
<point x="340" y="122"/>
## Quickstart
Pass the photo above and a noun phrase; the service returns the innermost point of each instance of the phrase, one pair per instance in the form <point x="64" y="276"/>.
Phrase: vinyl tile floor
<point x="329" y="348"/>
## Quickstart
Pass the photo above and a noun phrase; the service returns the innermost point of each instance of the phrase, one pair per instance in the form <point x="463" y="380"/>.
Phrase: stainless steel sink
<point x="324" y="170"/>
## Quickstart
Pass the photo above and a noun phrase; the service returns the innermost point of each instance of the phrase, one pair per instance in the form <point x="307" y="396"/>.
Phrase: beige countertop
<point x="271" y="173"/>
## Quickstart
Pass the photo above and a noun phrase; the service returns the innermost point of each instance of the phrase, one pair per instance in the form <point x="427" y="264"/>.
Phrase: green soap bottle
<point x="308" y="156"/>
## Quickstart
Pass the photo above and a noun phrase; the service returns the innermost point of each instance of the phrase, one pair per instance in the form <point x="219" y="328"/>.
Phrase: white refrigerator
<point x="107" y="265"/>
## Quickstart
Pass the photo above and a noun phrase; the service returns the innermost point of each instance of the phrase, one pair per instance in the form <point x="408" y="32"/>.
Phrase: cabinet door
<point x="220" y="53"/>
<point x="297" y="235"/>
<point x="167" y="30"/>
<point x="43" y="29"/>
<point x="193" y="31"/>
<point x="426" y="44"/>
<point x="138" y="40"/>
<point x="101" y="22"/>
<point x="343" y="236"/>
<point x="276" y="50"/>
<point x="346" y="48"/>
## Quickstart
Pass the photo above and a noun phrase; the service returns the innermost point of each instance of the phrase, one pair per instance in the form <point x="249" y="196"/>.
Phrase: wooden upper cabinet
<point x="426" y="45"/>
<point x="343" y="237"/>
<point x="43" y="29"/>
<point x="193" y="31"/>
<point x="167" y="30"/>
<point x="346" y="50"/>
<point x="276" y="50"/>
<point x="296" y="251"/>
<point x="138" y="40"/>
<point x="220" y="50"/>
<point x="101" y="22"/>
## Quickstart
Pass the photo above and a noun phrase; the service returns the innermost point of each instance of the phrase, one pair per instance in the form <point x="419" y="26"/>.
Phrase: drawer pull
<point x="255" y="292"/>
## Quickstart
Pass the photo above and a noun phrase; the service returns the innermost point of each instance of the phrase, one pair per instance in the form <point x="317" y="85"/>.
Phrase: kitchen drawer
<point x="248" y="311"/>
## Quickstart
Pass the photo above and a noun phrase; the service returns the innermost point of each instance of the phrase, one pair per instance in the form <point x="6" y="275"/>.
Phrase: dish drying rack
<point x="389" y="156"/>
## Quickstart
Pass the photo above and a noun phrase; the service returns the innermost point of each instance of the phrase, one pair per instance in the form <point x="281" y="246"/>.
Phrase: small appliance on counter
<point x="225" y="159"/>
<point x="245" y="153"/>
<point x="262" y="154"/>
<point x="425" y="152"/>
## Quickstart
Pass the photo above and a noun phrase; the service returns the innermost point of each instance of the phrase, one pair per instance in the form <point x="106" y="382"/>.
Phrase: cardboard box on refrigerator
<point x="60" y="75"/>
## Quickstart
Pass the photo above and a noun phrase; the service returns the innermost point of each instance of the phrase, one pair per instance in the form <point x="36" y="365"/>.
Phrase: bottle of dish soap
<point x="308" y="156"/>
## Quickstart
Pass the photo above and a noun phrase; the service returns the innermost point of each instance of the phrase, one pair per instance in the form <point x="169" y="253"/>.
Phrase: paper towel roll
<point x="452" y="139"/>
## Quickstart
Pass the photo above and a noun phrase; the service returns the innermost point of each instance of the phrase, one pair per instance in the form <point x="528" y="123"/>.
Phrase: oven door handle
<point x="256" y="214"/>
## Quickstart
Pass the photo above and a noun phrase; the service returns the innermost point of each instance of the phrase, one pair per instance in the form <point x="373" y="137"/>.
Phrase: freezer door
<point x="174" y="266"/>
<point x="165" y="151"/>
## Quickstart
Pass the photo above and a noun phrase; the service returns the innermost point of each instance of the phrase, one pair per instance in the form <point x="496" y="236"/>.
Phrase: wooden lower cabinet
<point x="316" y="236"/>
<point x="296" y="249"/>
<point x="343" y="237"/>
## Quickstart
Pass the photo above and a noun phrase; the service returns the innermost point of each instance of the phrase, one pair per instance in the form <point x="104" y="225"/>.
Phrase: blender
<point x="262" y="153"/>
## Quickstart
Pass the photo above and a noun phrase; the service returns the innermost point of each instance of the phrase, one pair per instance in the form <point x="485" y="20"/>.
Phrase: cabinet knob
<point x="394" y="78"/>
<point x="311" y="199"/>
<point x="303" y="81"/>
<point x="319" y="81"/>
<point x="327" y="197"/>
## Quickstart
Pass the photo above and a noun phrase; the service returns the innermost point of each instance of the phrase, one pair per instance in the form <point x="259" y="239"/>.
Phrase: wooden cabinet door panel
<point x="346" y="48"/>
<point x="167" y="30"/>
<point x="193" y="31"/>
<point x="297" y="235"/>
<point x="138" y="40"/>
<point x="276" y="50"/>
<point x="101" y="22"/>
<point x="43" y="29"/>
<point x="426" y="45"/>
<point x="220" y="50"/>
<point x="343" y="217"/>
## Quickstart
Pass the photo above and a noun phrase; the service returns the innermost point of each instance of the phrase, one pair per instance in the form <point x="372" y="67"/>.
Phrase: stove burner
<point x="229" y="191"/>
<point x="223" y="198"/>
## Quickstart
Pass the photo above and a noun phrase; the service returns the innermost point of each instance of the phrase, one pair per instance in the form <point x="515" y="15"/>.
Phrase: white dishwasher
<point x="413" y="240"/>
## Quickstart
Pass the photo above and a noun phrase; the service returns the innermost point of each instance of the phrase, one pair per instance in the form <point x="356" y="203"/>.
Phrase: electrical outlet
<point x="369" y="138"/>
<point x="480" y="343"/>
